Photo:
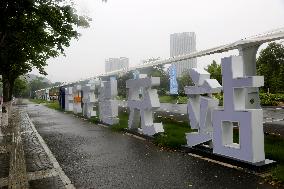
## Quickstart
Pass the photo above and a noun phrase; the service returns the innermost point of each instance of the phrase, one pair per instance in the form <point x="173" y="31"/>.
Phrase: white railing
<point x="255" y="40"/>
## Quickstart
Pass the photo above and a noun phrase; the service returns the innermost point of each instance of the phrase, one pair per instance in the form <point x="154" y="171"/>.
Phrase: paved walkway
<point x="25" y="160"/>
<point x="95" y="157"/>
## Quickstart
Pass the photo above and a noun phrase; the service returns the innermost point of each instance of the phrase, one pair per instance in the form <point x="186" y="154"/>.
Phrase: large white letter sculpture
<point x="69" y="100"/>
<point x="46" y="95"/>
<point x="108" y="106"/>
<point x="200" y="107"/>
<point x="143" y="107"/>
<point x="89" y="99"/>
<point x="251" y="138"/>
<point x="77" y="106"/>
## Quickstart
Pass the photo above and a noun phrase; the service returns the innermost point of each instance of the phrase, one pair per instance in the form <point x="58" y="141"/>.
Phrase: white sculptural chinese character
<point x="108" y="106"/>
<point x="89" y="98"/>
<point x="251" y="139"/>
<point x="69" y="99"/>
<point x="143" y="106"/>
<point x="200" y="107"/>
<point x="46" y="95"/>
<point x="77" y="95"/>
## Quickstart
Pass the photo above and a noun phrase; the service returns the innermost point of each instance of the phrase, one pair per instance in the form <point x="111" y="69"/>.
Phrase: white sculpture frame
<point x="200" y="107"/>
<point x="143" y="108"/>
<point x="251" y="137"/>
<point x="108" y="106"/>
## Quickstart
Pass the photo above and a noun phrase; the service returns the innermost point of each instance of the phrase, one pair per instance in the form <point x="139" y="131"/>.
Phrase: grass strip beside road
<point x="50" y="104"/>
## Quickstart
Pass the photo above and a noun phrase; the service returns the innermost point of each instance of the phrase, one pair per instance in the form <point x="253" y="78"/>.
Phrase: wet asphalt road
<point x="95" y="157"/>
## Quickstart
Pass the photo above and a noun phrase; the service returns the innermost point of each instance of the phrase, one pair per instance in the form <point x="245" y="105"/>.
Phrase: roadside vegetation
<point x="173" y="99"/>
<point x="274" y="149"/>
<point x="50" y="104"/>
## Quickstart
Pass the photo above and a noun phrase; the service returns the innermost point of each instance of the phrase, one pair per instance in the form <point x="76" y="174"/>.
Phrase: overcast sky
<point x="140" y="29"/>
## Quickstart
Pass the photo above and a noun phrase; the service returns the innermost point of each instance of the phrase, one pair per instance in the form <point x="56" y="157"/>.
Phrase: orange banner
<point x="77" y="99"/>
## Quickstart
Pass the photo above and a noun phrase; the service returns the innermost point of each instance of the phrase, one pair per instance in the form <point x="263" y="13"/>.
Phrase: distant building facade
<point x="183" y="43"/>
<point x="113" y="64"/>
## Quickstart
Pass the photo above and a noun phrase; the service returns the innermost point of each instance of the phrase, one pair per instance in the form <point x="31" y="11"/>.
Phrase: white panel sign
<point x="108" y="106"/>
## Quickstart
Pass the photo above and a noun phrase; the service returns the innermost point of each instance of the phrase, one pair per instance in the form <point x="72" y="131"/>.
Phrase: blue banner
<point x="136" y="74"/>
<point x="173" y="79"/>
<point x="112" y="78"/>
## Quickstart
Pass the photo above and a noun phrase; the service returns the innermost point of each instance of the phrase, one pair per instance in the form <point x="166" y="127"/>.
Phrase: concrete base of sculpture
<point x="206" y="151"/>
<point x="110" y="120"/>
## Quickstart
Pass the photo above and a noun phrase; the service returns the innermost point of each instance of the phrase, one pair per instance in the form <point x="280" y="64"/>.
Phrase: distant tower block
<point x="200" y="107"/>
<point x="180" y="44"/>
<point x="113" y="64"/>
<point x="89" y="99"/>
<point x="108" y="106"/>
<point x="69" y="100"/>
<point x="142" y="107"/>
<point x="77" y="95"/>
<point x="250" y="147"/>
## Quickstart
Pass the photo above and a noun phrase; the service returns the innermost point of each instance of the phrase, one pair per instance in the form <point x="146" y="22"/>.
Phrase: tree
<point x="21" y="88"/>
<point x="270" y="64"/>
<point x="215" y="71"/>
<point x="159" y="71"/>
<point x="121" y="83"/>
<point x="37" y="84"/>
<point x="183" y="81"/>
<point x="32" y="31"/>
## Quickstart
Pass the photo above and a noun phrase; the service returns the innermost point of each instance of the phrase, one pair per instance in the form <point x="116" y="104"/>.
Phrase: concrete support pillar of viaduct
<point x="108" y="105"/>
<point x="248" y="54"/>
<point x="142" y="105"/>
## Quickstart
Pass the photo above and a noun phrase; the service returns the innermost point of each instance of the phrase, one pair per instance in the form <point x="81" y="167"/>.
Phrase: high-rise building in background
<point x="183" y="43"/>
<point x="113" y="64"/>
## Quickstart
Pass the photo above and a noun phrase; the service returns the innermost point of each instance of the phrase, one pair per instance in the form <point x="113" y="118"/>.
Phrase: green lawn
<point x="274" y="149"/>
<point x="123" y="122"/>
<point x="173" y="99"/>
<point x="174" y="135"/>
<point x="50" y="104"/>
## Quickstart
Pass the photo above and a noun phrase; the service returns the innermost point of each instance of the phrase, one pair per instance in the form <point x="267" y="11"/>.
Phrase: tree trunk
<point x="10" y="97"/>
<point x="7" y="97"/>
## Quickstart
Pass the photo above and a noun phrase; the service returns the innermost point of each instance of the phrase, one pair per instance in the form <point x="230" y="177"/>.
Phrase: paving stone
<point x="4" y="165"/>
<point x="35" y="156"/>
<point x="47" y="183"/>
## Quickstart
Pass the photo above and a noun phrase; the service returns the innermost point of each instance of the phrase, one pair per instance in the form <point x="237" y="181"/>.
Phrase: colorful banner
<point x="173" y="79"/>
